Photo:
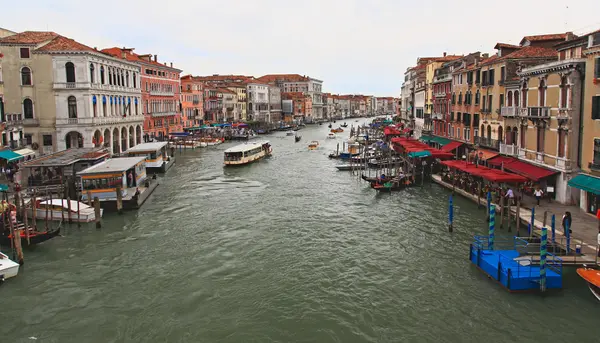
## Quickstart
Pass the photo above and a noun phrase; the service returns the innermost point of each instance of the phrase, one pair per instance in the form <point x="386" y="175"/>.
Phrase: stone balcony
<point x="509" y="149"/>
<point x="539" y="158"/>
<point x="162" y="93"/>
<point x="440" y="95"/>
<point x="163" y="114"/>
<point x="98" y="121"/>
<point x="27" y="122"/>
<point x="71" y="85"/>
<point x="94" y="86"/>
<point x="537" y="112"/>
<point x="513" y="111"/>
<point x="564" y="114"/>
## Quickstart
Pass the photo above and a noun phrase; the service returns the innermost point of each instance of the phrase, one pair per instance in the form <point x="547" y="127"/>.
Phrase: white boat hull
<point x="8" y="268"/>
<point x="85" y="216"/>
<point x="595" y="290"/>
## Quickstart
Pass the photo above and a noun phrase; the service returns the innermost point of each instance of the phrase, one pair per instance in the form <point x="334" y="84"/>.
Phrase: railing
<point x="512" y="111"/>
<point x="98" y="120"/>
<point x="71" y="85"/>
<point x="440" y="95"/>
<point x="106" y="87"/>
<point x="509" y="149"/>
<point x="538" y="112"/>
<point x="486" y="110"/>
<point x="564" y="113"/>
<point x="30" y="122"/>
<point x="563" y="163"/>
<point x="162" y="93"/>
<point x="437" y="116"/>
<point x="488" y="142"/>
<point x="163" y="114"/>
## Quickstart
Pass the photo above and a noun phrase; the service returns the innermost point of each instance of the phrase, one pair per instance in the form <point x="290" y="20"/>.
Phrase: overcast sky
<point x="353" y="46"/>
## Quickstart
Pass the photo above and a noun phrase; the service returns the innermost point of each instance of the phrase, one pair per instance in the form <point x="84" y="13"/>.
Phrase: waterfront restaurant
<point x="156" y="155"/>
<point x="102" y="180"/>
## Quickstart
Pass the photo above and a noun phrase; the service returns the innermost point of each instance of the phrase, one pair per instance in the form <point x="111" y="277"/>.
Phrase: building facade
<point x="69" y="94"/>
<point x="192" y="102"/>
<point x="291" y="83"/>
<point x="258" y="101"/>
<point x="161" y="93"/>
<point x="275" y="104"/>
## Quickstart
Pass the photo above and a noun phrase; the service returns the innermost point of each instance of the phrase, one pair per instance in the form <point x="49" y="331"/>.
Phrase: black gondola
<point x="329" y="126"/>
<point x="35" y="237"/>
<point x="297" y="138"/>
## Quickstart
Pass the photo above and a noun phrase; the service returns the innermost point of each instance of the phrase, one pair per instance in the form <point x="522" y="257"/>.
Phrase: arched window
<point x="508" y="138"/>
<point x="524" y="94"/>
<point x="477" y="96"/>
<point x="500" y="134"/>
<point x="489" y="132"/>
<point x="27" y="109"/>
<point x="127" y="78"/>
<point x="542" y="92"/>
<point x="516" y="95"/>
<point x="70" y="69"/>
<point x="509" y="97"/>
<point x="26" y="76"/>
<point x="122" y="79"/>
<point x="95" y="106"/>
<point x="110" y="76"/>
<point x="564" y="93"/>
<point x="134" y="80"/>
<point x="102" y="74"/>
<point x="72" y="104"/>
<point x="92" y="78"/>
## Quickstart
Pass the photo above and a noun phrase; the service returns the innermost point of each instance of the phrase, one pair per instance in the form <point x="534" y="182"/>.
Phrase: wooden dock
<point x="589" y="249"/>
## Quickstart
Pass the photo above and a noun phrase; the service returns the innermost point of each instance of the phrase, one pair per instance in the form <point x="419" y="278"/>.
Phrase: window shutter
<point x="597" y="68"/>
<point x="596" y="107"/>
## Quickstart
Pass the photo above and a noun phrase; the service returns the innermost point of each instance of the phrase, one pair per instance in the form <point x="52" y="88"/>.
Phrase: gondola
<point x="344" y="125"/>
<point x="329" y="126"/>
<point x="375" y="179"/>
<point x="35" y="237"/>
<point x="297" y="138"/>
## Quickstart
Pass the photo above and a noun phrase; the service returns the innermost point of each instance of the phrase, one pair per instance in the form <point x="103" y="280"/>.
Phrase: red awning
<point x="390" y="131"/>
<point x="528" y="170"/>
<point x="451" y="146"/>
<point x="404" y="144"/>
<point x="493" y="175"/>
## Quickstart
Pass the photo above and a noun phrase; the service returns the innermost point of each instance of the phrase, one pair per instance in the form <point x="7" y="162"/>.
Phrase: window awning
<point x="425" y="138"/>
<point x="423" y="153"/>
<point x="9" y="155"/>
<point x="25" y="152"/>
<point x="483" y="154"/>
<point x="586" y="183"/>
<point x="3" y="187"/>
<point x="530" y="171"/>
<point x="451" y="146"/>
<point x="440" y="140"/>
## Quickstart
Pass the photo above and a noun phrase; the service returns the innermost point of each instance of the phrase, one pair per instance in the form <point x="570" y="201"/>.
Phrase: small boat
<point x="313" y="145"/>
<point x="261" y="132"/>
<point x="290" y="133"/>
<point x="247" y="153"/>
<point x="346" y="167"/>
<point x="35" y="237"/>
<point x="320" y="123"/>
<point x="375" y="179"/>
<point x="329" y="126"/>
<point x="209" y="141"/>
<point x="8" y="268"/>
<point x="338" y="130"/>
<point x="592" y="277"/>
<point x="59" y="209"/>
<point x="331" y="135"/>
<point x="297" y="138"/>
<point x="389" y="185"/>
<point x="344" y="125"/>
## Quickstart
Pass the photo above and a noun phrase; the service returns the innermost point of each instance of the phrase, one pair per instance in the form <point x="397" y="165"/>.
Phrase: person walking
<point x="511" y="196"/>
<point x="538" y="195"/>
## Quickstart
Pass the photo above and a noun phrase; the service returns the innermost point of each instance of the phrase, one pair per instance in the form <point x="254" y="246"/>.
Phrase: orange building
<point x="301" y="102"/>
<point x="192" y="100"/>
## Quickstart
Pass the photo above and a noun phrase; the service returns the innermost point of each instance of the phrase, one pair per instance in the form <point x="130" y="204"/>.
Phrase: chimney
<point x="171" y="65"/>
<point x="486" y="55"/>
<point x="570" y="36"/>
<point x="123" y="54"/>
<point x="96" y="48"/>
<point x="155" y="58"/>
<point x="444" y="54"/>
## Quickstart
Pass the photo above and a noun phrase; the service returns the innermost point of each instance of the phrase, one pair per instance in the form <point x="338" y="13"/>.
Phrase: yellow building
<point x="240" y="90"/>
<point x="587" y="183"/>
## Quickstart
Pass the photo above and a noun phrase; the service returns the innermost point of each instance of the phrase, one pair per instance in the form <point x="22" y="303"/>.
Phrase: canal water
<point x="285" y="250"/>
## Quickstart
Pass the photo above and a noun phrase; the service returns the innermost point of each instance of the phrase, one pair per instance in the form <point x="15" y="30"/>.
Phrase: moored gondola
<point x="35" y="237"/>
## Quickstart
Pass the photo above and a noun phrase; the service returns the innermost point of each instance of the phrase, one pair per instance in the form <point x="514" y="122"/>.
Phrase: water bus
<point x="156" y="155"/>
<point x="247" y="153"/>
<point x="331" y="135"/>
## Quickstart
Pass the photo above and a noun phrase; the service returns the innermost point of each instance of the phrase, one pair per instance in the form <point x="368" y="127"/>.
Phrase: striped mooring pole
<point x="553" y="227"/>
<point x="450" y="213"/>
<point x="492" y="227"/>
<point x="543" y="253"/>
<point x="531" y="226"/>
<point x="489" y="204"/>
<point x="568" y="235"/>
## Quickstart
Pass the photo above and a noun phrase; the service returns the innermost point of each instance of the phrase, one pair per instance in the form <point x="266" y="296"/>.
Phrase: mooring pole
<point x="568" y="235"/>
<point x="489" y="205"/>
<point x="492" y="227"/>
<point x="553" y="227"/>
<point x="450" y="213"/>
<point x="531" y="225"/>
<point x="543" y="253"/>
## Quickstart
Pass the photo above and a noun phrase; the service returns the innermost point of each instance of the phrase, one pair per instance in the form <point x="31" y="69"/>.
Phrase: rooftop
<point x="67" y="157"/>
<point x="545" y="37"/>
<point x="153" y="146"/>
<point x="284" y="78"/>
<point x="113" y="165"/>
<point x="129" y="55"/>
<point x="246" y="146"/>
<point x="61" y="43"/>
<point x="29" y="37"/>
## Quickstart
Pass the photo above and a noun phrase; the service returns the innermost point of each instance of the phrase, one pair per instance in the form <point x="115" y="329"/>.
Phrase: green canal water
<point x="285" y="250"/>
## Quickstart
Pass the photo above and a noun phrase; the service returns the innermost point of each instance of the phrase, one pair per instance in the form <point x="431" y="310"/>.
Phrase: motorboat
<point x="313" y="145"/>
<point x="338" y="130"/>
<point x="8" y="268"/>
<point x="592" y="277"/>
<point x="331" y="135"/>
<point x="57" y="209"/>
<point x="209" y="141"/>
<point x="290" y="133"/>
<point x="344" y="125"/>
<point x="297" y="138"/>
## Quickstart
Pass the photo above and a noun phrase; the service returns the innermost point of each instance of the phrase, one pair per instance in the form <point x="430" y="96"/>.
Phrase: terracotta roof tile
<point x="531" y="52"/>
<point x="129" y="55"/>
<point x="284" y="78"/>
<point x="29" y="37"/>
<point x="552" y="36"/>
<point x="61" y="43"/>
<point x="505" y="45"/>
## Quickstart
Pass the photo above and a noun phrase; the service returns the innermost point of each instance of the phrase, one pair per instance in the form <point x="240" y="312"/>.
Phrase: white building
<point x="290" y="83"/>
<point x="71" y="95"/>
<point x="257" y="95"/>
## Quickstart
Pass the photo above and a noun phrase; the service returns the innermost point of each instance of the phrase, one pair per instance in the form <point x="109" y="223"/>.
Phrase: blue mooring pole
<point x="553" y="226"/>
<point x="492" y="227"/>
<point x="568" y="235"/>
<point x="543" y="253"/>
<point x="489" y="204"/>
<point x="450" y="213"/>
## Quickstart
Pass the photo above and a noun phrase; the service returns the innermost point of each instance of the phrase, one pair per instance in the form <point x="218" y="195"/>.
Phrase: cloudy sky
<point x="353" y="46"/>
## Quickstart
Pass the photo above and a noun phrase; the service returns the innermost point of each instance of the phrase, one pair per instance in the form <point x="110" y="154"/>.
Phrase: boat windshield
<point x="233" y="156"/>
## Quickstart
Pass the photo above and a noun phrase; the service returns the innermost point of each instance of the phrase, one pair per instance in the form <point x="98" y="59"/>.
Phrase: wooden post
<point x="78" y="213"/>
<point x="501" y="209"/>
<point x="518" y="213"/>
<point x="545" y="218"/>
<point x="16" y="234"/>
<point x="479" y="194"/>
<point x="69" y="215"/>
<point x="25" y="223"/>
<point x="34" y="210"/>
<point x="509" y="214"/>
<point x="97" y="212"/>
<point x="62" y="210"/>
<point x="47" y="207"/>
<point x="17" y="203"/>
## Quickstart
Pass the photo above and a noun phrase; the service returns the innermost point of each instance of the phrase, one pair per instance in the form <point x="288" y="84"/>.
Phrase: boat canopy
<point x="180" y="134"/>
<point x="65" y="204"/>
<point x="246" y="147"/>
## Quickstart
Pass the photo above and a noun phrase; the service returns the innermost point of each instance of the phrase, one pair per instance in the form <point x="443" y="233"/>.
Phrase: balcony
<point x="488" y="142"/>
<point x="509" y="149"/>
<point x="114" y="88"/>
<point x="563" y="163"/>
<point x="162" y="93"/>
<point x="538" y="112"/>
<point x="98" y="120"/>
<point x="71" y="85"/>
<point x="513" y="111"/>
<point x="163" y="114"/>
<point x="564" y="114"/>
<point x="437" y="116"/>
<point x="440" y="95"/>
